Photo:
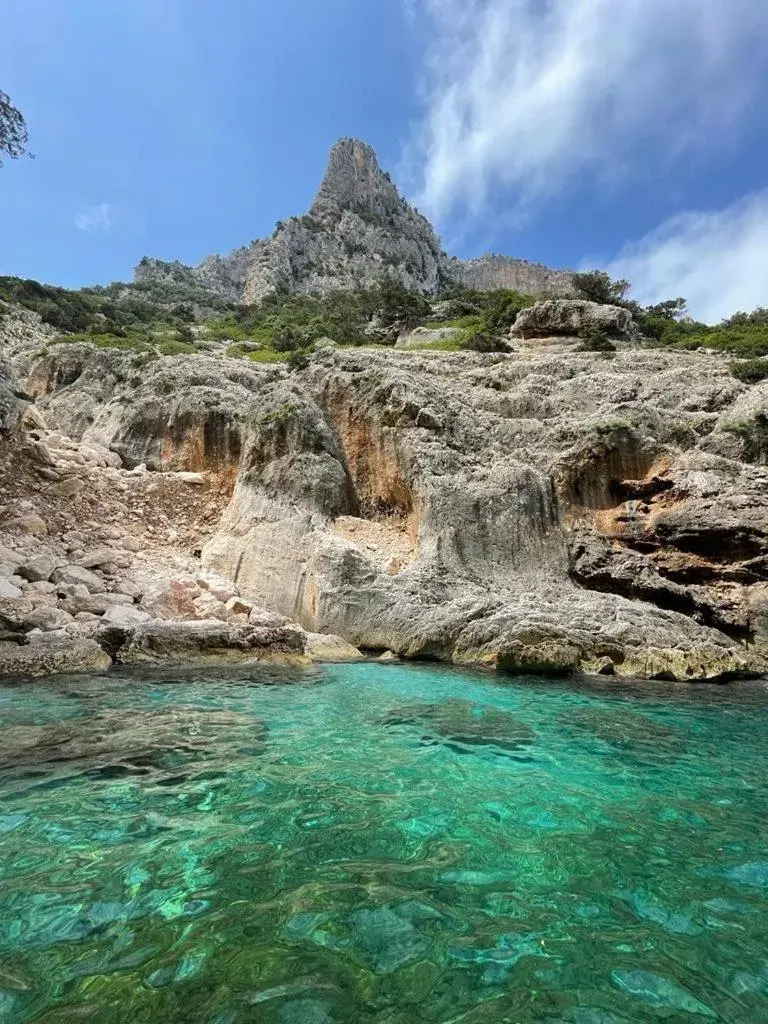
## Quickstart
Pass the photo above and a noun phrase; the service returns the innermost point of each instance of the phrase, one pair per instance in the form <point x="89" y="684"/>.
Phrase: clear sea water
<point x="382" y="843"/>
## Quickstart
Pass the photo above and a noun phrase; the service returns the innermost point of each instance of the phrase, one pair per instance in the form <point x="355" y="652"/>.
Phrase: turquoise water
<point x="381" y="843"/>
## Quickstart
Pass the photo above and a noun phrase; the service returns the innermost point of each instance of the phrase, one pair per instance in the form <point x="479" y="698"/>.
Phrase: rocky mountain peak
<point x="354" y="181"/>
<point x="358" y="230"/>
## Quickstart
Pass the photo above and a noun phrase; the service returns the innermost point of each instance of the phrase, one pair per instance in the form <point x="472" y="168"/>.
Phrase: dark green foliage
<point x="750" y="370"/>
<point x="595" y="339"/>
<point x="481" y="341"/>
<point x="757" y="318"/>
<point x="65" y="310"/>
<point x="597" y="286"/>
<point x="670" y="309"/>
<point x="298" y="361"/>
<point x="175" y="348"/>
<point x="501" y="309"/>
<point x="309" y="222"/>
<point x="394" y="302"/>
<point x="289" y="322"/>
<point x="286" y="338"/>
<point x="185" y="335"/>
<point x="13" y="129"/>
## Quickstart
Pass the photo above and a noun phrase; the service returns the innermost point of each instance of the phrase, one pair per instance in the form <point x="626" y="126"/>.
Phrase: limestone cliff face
<point x="494" y="271"/>
<point x="357" y="230"/>
<point x="544" y="509"/>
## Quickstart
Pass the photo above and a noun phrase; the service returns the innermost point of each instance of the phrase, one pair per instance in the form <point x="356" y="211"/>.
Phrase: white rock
<point x="78" y="575"/>
<point x="124" y="615"/>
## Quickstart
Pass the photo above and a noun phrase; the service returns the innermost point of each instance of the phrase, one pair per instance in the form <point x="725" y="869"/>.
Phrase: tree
<point x="597" y="286"/>
<point x="13" y="130"/>
<point x="670" y="309"/>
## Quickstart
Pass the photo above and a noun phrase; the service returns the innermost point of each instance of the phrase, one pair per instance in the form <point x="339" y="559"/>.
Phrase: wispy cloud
<point x="96" y="218"/>
<point x="528" y="94"/>
<point x="715" y="259"/>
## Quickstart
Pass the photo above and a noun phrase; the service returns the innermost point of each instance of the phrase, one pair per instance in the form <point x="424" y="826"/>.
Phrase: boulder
<point x="96" y="604"/>
<point x="8" y="589"/>
<point x="29" y="522"/>
<point x="93" y="559"/>
<point x="328" y="647"/>
<point x="237" y="606"/>
<point x="9" y="557"/>
<point x="260" y="617"/>
<point x="124" y="616"/>
<point x="47" y="618"/>
<point x="39" y="568"/>
<point x="207" y="606"/>
<point x="67" y="488"/>
<point x="13" y="612"/>
<point x="170" y="599"/>
<point x="158" y="642"/>
<point x="71" y="654"/>
<point x="77" y="575"/>
<point x="574" y="318"/>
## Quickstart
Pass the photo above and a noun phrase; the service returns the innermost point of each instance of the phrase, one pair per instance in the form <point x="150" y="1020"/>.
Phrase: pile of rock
<point x="78" y="593"/>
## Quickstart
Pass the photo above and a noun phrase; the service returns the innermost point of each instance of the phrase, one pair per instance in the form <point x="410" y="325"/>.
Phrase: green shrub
<point x="750" y="370"/>
<point x="595" y="339"/>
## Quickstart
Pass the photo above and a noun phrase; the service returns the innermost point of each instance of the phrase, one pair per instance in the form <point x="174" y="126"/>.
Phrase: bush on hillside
<point x="751" y="371"/>
<point x="595" y="339"/>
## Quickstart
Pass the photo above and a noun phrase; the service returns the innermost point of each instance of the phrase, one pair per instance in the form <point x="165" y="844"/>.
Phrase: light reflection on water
<point x="381" y="843"/>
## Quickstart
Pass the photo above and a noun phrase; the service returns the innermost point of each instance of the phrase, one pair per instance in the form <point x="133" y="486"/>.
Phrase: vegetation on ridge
<point x="178" y="316"/>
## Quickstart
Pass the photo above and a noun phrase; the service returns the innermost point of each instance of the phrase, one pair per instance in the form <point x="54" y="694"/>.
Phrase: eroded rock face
<point x="572" y="318"/>
<point x="486" y="273"/>
<point x="179" y="413"/>
<point x="527" y="492"/>
<point x="546" y="509"/>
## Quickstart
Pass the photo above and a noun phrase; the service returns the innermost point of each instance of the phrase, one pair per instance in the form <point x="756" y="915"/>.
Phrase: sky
<point x="625" y="134"/>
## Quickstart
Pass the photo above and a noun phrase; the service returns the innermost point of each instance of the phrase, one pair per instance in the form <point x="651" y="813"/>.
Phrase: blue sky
<point x="626" y="133"/>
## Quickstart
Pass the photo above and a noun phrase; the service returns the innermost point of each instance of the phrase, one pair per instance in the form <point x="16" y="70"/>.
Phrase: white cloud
<point x="95" y="218"/>
<point x="529" y="94"/>
<point x="718" y="260"/>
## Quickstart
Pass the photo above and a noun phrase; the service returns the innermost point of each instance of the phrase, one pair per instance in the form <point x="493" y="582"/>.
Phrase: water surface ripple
<point x="382" y="843"/>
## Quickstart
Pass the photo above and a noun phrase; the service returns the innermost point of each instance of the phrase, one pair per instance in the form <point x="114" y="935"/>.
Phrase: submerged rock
<point x="54" y="655"/>
<point x="622" y="728"/>
<point x="462" y="723"/>
<point x="130" y="737"/>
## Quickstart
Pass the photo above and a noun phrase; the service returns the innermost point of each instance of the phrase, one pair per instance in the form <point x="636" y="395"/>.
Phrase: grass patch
<point x="268" y="355"/>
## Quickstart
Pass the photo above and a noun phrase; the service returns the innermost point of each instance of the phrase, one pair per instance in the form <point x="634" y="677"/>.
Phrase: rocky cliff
<point x="358" y="229"/>
<point x="494" y="271"/>
<point x="544" y="509"/>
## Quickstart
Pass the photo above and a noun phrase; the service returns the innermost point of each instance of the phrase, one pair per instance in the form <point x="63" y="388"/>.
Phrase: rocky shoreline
<point x="543" y="510"/>
<point x="79" y="594"/>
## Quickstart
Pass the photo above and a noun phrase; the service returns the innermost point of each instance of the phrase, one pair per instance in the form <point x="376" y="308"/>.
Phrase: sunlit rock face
<point x="358" y="229"/>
